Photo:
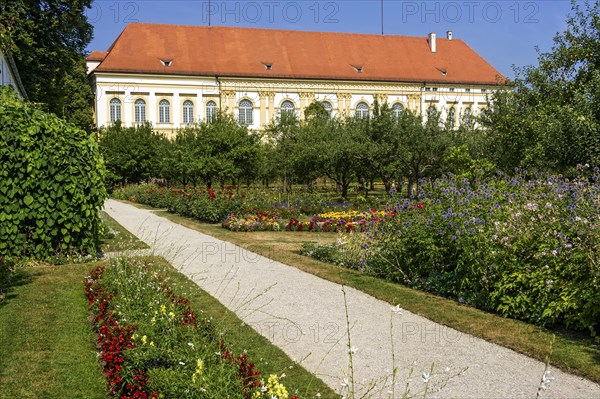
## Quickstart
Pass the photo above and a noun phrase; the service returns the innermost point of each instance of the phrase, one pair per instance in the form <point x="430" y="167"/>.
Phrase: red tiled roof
<point x="242" y="52"/>
<point x="97" y="56"/>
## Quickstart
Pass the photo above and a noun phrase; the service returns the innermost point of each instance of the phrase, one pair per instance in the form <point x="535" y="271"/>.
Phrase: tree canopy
<point x="48" y="39"/>
<point x="551" y="120"/>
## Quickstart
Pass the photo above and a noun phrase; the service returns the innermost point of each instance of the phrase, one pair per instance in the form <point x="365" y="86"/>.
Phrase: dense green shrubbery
<point x="131" y="154"/>
<point x="50" y="183"/>
<point x="527" y="248"/>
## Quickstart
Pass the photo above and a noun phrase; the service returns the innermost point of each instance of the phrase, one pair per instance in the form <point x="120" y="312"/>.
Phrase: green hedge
<point x="51" y="183"/>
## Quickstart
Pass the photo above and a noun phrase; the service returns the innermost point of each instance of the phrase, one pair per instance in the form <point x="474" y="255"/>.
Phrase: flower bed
<point x="527" y="248"/>
<point x="152" y="345"/>
<point x="339" y="222"/>
<point x="259" y="222"/>
<point x="215" y="205"/>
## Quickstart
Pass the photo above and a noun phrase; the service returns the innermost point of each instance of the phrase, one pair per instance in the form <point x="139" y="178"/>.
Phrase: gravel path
<point x="305" y="316"/>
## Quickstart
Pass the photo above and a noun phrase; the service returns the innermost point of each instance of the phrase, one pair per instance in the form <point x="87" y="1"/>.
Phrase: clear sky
<point x="505" y="33"/>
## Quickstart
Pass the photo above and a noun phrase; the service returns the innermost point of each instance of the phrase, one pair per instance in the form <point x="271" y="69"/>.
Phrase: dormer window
<point x="268" y="66"/>
<point x="358" y="69"/>
<point x="166" y="63"/>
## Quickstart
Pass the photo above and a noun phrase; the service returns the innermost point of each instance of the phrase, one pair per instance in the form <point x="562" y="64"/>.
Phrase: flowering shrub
<point x="259" y="222"/>
<point x="204" y="204"/>
<point x="152" y="345"/>
<point x="215" y="205"/>
<point x="524" y="247"/>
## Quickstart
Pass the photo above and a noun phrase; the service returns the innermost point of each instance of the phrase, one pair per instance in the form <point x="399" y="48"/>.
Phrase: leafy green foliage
<point x="48" y="39"/>
<point x="50" y="184"/>
<point x="131" y="154"/>
<point x="220" y="151"/>
<point x="551" y="120"/>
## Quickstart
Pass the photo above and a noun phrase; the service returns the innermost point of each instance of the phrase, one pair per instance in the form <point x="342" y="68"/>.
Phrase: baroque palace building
<point x="171" y="75"/>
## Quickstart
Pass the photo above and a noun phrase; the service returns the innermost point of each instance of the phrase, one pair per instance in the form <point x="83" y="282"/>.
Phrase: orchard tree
<point x="384" y="149"/>
<point x="48" y="39"/>
<point x="131" y="154"/>
<point x="221" y="150"/>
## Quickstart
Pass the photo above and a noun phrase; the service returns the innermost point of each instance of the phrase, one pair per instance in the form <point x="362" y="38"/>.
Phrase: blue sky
<point x="505" y="33"/>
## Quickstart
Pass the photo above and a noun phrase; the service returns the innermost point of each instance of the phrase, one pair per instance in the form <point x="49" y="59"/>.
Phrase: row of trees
<point x="345" y="150"/>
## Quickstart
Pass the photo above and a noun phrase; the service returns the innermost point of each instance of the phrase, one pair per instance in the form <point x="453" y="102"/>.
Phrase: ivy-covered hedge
<point x="51" y="183"/>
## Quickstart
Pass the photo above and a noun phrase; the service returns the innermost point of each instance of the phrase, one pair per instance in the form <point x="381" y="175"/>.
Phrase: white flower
<point x="282" y="376"/>
<point x="318" y="395"/>
<point x="191" y="345"/>
<point x="397" y="309"/>
<point x="345" y="383"/>
<point x="426" y="377"/>
<point x="546" y="380"/>
<point x="353" y="350"/>
<point x="182" y="363"/>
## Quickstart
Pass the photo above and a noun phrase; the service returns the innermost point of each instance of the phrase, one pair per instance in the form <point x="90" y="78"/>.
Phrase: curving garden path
<point x="305" y="316"/>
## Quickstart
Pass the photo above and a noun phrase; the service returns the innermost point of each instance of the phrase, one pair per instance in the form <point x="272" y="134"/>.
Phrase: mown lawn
<point x="47" y="347"/>
<point x="116" y="238"/>
<point x="573" y="352"/>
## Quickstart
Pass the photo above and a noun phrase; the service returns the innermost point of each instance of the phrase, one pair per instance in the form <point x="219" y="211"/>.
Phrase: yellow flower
<point x="144" y="340"/>
<point x="274" y="388"/>
<point x="199" y="370"/>
<point x="163" y="309"/>
<point x="171" y="315"/>
<point x="152" y="343"/>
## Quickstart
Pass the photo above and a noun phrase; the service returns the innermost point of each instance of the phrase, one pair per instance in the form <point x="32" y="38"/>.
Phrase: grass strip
<point x="572" y="352"/>
<point x="46" y="345"/>
<point x="117" y="238"/>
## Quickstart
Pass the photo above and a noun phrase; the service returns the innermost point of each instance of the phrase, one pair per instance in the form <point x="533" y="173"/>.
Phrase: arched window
<point x="287" y="108"/>
<point x="245" y="112"/>
<point x="467" y="116"/>
<point x="431" y="113"/>
<point x="140" y="110"/>
<point x="327" y="106"/>
<point x="362" y="110"/>
<point x="164" y="111"/>
<point x="211" y="111"/>
<point x="115" y="110"/>
<point x="188" y="112"/>
<point x="451" y="118"/>
<point x="397" y="109"/>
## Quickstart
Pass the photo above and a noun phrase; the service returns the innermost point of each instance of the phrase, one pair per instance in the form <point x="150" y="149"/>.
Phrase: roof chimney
<point x="432" y="42"/>
<point x="449" y="35"/>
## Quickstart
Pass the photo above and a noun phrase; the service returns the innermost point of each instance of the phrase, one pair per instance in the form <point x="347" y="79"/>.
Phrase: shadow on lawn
<point x="20" y="278"/>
